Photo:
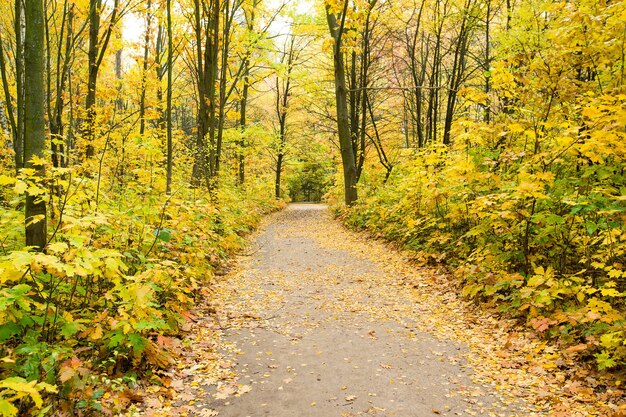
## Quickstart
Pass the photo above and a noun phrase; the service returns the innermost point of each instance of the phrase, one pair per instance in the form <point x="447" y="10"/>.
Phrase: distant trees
<point x="400" y="73"/>
<point x="291" y="56"/>
<point x="283" y="90"/>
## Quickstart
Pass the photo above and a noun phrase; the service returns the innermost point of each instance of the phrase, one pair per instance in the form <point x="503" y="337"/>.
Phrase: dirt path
<point x="339" y="335"/>
<point x="317" y="321"/>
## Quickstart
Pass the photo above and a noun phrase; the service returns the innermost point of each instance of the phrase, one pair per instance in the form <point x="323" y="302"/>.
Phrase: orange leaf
<point x="577" y="348"/>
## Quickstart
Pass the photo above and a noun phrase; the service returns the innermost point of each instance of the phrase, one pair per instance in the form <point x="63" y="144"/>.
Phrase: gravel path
<point x="316" y="320"/>
<point x="334" y="330"/>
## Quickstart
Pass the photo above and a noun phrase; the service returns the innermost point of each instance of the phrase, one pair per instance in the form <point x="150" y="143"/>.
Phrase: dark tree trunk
<point x="418" y="71"/>
<point x="19" y="83"/>
<point x="343" y="116"/>
<point x="170" y="54"/>
<point x="223" y="73"/>
<point x="206" y="28"/>
<point x="279" y="170"/>
<point x="243" y="124"/>
<point x="457" y="72"/>
<point x="144" y="73"/>
<point x="34" y="122"/>
<point x="487" y="66"/>
<point x="283" y="93"/>
<point x="92" y="77"/>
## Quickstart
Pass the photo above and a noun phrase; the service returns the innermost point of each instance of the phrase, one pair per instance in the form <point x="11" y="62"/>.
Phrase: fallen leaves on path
<point x="515" y="362"/>
<point x="528" y="375"/>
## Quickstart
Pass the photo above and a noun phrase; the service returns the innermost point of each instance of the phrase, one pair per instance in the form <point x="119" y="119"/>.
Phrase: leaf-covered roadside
<point x="104" y="305"/>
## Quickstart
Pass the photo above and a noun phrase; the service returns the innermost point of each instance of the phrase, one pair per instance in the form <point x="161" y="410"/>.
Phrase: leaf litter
<point x="529" y="376"/>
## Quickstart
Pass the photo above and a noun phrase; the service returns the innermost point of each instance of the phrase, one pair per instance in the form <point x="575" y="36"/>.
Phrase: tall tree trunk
<point x="170" y="54"/>
<point x="418" y="75"/>
<point x="92" y="77"/>
<point x="354" y="93"/>
<point x="144" y="73"/>
<point x="34" y="122"/>
<point x="487" y="66"/>
<point x="243" y="102"/>
<point x="457" y="72"/>
<point x="433" y="96"/>
<point x="69" y="142"/>
<point x="19" y="83"/>
<point x="211" y="69"/>
<point x="282" y="103"/>
<point x="119" y="101"/>
<point x="250" y="16"/>
<point x="363" y="96"/>
<point x="341" y="100"/>
<point x="206" y="27"/>
<point x="223" y="70"/>
<point x="160" y="58"/>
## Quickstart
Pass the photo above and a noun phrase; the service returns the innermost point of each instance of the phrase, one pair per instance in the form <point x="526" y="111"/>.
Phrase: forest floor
<point x="316" y="320"/>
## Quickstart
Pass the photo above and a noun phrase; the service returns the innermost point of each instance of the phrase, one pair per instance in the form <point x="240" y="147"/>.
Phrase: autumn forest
<point x="479" y="144"/>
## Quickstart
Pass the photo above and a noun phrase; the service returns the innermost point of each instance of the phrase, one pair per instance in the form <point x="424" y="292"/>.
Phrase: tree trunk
<point x="282" y="107"/>
<point x="34" y="122"/>
<point x="487" y="65"/>
<point x="92" y="77"/>
<point x="343" y="117"/>
<point x="457" y="72"/>
<point x="160" y="58"/>
<point x="243" y="123"/>
<point x="223" y="73"/>
<point x="206" y="28"/>
<point x="119" y="101"/>
<point x="144" y="73"/>
<point x="211" y="69"/>
<point x="19" y="83"/>
<point x="418" y="74"/>
<point x="170" y="52"/>
<point x="279" y="169"/>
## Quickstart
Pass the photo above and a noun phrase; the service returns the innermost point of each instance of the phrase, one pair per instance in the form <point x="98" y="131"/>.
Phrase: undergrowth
<point x="540" y="234"/>
<point x="95" y="312"/>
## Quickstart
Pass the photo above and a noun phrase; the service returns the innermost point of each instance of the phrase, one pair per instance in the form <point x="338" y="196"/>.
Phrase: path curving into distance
<point x="341" y="331"/>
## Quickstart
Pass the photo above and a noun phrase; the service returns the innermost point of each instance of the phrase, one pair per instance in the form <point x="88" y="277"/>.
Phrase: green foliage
<point x="309" y="181"/>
